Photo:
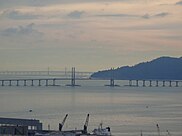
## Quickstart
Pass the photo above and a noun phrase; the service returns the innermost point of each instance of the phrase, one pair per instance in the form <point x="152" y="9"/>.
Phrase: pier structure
<point x="157" y="83"/>
<point x="30" y="82"/>
<point x="150" y="83"/>
<point x="154" y="83"/>
<point x="112" y="82"/>
<point x="163" y="83"/>
<point x="137" y="83"/>
<point x="130" y="82"/>
<point x="144" y="83"/>
<point x="73" y="78"/>
<point x="112" y="79"/>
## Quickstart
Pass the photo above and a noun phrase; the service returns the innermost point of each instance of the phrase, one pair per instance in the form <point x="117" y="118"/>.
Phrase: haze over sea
<point x="127" y="110"/>
<point x="93" y="35"/>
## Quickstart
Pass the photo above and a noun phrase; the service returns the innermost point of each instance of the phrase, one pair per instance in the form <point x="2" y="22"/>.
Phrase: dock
<point x="32" y="127"/>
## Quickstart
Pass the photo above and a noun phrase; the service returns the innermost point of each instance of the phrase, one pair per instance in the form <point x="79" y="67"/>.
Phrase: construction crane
<point x="141" y="133"/>
<point x="158" y="129"/>
<point x="62" y="124"/>
<point x="168" y="133"/>
<point x="86" y="125"/>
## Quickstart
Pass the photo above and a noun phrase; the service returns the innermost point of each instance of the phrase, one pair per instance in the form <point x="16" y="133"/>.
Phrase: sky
<point x="90" y="35"/>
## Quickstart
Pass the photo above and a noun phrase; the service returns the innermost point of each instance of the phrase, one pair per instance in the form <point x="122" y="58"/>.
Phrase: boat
<point x="100" y="131"/>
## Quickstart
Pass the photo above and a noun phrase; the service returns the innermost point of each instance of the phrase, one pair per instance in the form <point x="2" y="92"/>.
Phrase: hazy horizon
<point x="87" y="34"/>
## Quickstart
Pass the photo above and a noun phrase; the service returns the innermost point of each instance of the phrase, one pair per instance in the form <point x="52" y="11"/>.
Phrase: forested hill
<point x="160" y="68"/>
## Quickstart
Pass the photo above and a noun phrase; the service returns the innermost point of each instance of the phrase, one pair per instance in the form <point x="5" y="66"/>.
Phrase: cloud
<point x="38" y="3"/>
<point x="27" y="30"/>
<point x="170" y="26"/>
<point x="179" y="3"/>
<point x="146" y="16"/>
<point x="13" y="14"/>
<point x="76" y="14"/>
<point x="162" y="14"/>
<point x="117" y="15"/>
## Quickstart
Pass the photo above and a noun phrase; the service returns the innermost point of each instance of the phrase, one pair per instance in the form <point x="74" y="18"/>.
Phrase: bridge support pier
<point x="137" y="83"/>
<point x="17" y="83"/>
<point x="150" y="83"/>
<point x="177" y="83"/>
<point x="25" y="82"/>
<point x="2" y="82"/>
<point x="170" y="83"/>
<point x="112" y="82"/>
<point x="130" y="82"/>
<point x="32" y="82"/>
<point x="157" y="83"/>
<point x="54" y="82"/>
<point x="163" y="83"/>
<point x="73" y="77"/>
<point x="9" y="82"/>
<point x="143" y="83"/>
<point x="47" y="82"/>
<point x="39" y="82"/>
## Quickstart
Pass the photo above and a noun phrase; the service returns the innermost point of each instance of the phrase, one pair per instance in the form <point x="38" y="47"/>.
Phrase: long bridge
<point x="65" y="74"/>
<point x="53" y="78"/>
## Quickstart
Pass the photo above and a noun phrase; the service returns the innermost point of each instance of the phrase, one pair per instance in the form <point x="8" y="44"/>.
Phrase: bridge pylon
<point x="73" y="78"/>
<point x="112" y="83"/>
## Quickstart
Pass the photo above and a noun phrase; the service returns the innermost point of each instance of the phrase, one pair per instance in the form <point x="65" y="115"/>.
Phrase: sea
<point x="128" y="111"/>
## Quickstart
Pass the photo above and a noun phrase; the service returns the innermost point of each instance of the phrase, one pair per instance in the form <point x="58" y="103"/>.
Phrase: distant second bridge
<point x="62" y="74"/>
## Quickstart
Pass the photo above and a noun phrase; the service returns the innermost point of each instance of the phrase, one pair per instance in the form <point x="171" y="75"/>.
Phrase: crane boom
<point x="168" y="133"/>
<point x="158" y="129"/>
<point x="86" y="124"/>
<point x="62" y="124"/>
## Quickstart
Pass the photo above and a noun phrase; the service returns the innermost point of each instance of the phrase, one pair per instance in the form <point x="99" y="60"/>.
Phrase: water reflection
<point x="127" y="110"/>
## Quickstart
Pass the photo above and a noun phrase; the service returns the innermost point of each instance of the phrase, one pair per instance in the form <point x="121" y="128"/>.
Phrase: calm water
<point x="127" y="110"/>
